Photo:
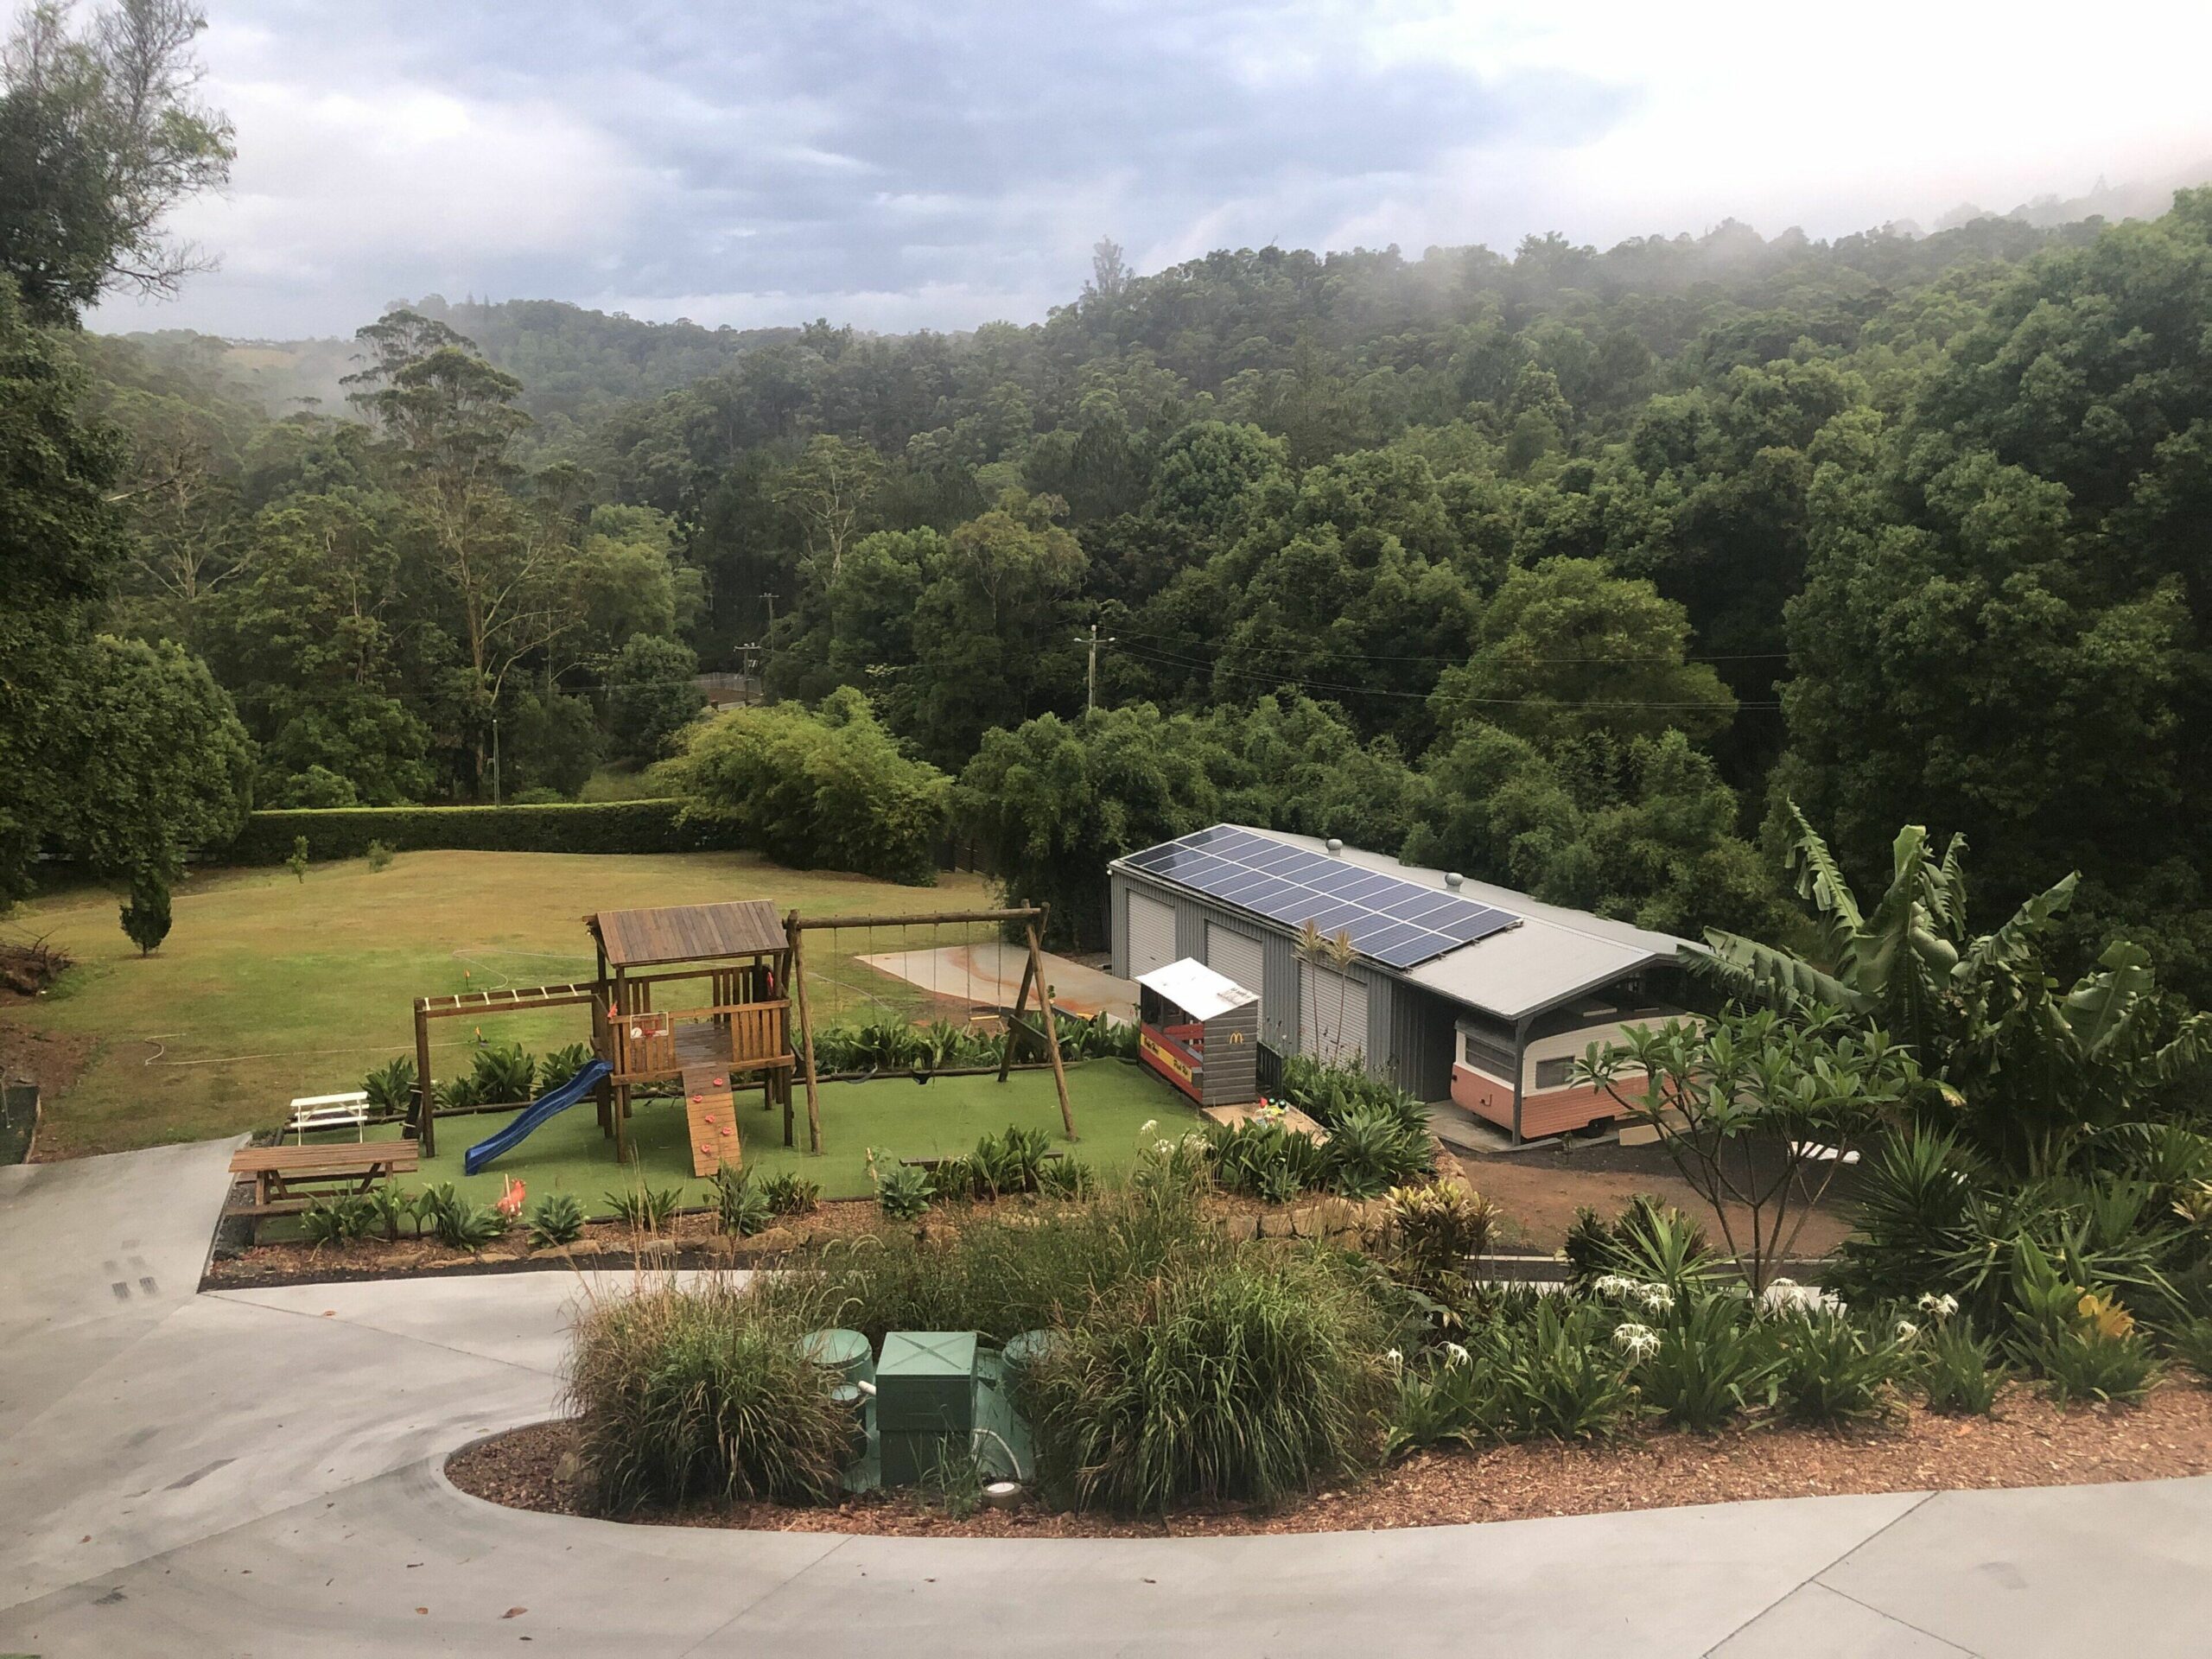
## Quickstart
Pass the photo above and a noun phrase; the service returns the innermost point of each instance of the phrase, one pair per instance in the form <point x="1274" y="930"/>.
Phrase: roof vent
<point x="1454" y="881"/>
<point x="1336" y="847"/>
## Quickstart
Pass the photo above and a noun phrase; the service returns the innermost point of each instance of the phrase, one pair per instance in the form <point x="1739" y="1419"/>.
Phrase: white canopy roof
<point x="1197" y="989"/>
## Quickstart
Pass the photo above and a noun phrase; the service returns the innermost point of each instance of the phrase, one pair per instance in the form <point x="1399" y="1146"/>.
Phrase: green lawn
<point x="268" y="988"/>
<point x="1111" y="1099"/>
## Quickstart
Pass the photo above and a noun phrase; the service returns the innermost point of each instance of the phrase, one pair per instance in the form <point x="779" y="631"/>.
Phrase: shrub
<point x="1957" y="1370"/>
<point x="2190" y="1343"/>
<point x="1830" y="1372"/>
<point x="1328" y="1094"/>
<point x="377" y="854"/>
<point x="1649" y="1241"/>
<point x="391" y="1087"/>
<point x="555" y="1219"/>
<point x="457" y="1095"/>
<point x="562" y="1063"/>
<point x="503" y="1073"/>
<point x="145" y="916"/>
<point x="391" y="1205"/>
<point x="1709" y="1365"/>
<point x="790" y="1195"/>
<point x="1557" y="1375"/>
<point x="466" y="1226"/>
<point x="338" y="1220"/>
<point x="1266" y="1159"/>
<point x="1915" y="1200"/>
<point x="296" y="861"/>
<point x="1067" y="1177"/>
<point x="1254" y="1377"/>
<point x="704" y="1395"/>
<point x="1002" y="1164"/>
<point x="1450" y="1400"/>
<point x="644" y="1208"/>
<point x="1372" y="1149"/>
<point x="2092" y="1365"/>
<point x="901" y="1191"/>
<point x="741" y="1208"/>
<point x="816" y="788"/>
<point x="1437" y="1235"/>
<point x="653" y="826"/>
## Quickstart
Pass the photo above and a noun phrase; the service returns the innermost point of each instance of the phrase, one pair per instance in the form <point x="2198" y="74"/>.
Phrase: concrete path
<point x="256" y="1472"/>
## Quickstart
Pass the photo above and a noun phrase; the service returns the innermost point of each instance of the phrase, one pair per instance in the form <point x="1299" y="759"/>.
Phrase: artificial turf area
<point x="1111" y="1100"/>
<point x="268" y="987"/>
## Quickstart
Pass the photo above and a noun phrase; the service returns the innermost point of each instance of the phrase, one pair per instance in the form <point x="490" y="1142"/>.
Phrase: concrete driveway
<point x="257" y="1472"/>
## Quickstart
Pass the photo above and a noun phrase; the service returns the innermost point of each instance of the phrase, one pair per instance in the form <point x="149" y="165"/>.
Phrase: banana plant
<point x="2027" y="1070"/>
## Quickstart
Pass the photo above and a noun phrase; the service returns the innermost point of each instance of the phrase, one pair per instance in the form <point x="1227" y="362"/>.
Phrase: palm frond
<point x="1820" y="878"/>
<point x="1760" y="971"/>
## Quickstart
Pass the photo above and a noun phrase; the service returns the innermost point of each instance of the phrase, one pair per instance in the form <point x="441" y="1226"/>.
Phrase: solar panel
<point x="1398" y="922"/>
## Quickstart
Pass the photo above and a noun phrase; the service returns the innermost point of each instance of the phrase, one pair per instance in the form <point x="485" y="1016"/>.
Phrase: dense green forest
<point x="1566" y="568"/>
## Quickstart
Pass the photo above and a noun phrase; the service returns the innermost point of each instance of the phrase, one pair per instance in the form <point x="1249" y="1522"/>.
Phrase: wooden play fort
<point x="694" y="998"/>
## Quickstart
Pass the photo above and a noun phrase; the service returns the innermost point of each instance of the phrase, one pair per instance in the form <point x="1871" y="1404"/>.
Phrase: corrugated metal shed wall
<point x="1410" y="1033"/>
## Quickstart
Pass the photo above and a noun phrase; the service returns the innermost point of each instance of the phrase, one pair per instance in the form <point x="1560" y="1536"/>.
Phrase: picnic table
<point x="286" y="1178"/>
<point x="348" y="1111"/>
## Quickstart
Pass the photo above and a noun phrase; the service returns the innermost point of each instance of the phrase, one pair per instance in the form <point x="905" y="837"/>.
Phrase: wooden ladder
<point x="713" y="1117"/>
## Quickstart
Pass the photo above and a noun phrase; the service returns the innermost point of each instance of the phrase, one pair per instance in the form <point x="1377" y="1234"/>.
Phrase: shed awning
<point x="640" y="939"/>
<point x="1197" y="989"/>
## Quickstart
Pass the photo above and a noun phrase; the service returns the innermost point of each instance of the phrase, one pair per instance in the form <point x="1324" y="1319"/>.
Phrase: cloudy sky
<point x="945" y="162"/>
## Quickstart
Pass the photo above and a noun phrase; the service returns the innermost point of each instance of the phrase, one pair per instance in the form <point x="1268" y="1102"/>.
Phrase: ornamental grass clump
<point x="1957" y="1371"/>
<point x="703" y="1396"/>
<point x="1559" y="1375"/>
<point x="1828" y="1372"/>
<point x="1253" y="1378"/>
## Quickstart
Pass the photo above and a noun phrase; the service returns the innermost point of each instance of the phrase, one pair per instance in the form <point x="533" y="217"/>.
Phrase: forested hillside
<point x="1567" y="569"/>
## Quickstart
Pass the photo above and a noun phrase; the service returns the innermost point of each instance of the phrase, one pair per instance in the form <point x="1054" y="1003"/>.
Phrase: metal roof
<point x="641" y="938"/>
<point x="1197" y="989"/>
<point x="1555" y="954"/>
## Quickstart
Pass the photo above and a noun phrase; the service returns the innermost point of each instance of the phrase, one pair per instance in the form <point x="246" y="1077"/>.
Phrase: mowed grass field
<point x="268" y="988"/>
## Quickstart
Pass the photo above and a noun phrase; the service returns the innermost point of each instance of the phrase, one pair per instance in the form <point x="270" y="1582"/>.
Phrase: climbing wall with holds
<point x="713" y="1119"/>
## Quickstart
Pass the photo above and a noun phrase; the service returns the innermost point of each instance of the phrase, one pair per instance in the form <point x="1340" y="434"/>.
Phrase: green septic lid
<point x="928" y="1353"/>
<point x="843" y="1350"/>
<point x="1027" y="1347"/>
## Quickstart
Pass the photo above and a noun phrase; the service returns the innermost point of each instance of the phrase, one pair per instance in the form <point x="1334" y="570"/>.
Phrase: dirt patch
<point x="2030" y="1442"/>
<point x="52" y="1060"/>
<point x="1539" y="1193"/>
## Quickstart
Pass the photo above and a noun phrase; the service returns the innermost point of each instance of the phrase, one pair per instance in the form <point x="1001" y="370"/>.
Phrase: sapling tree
<point x="1759" y="1111"/>
<point x="146" y="916"/>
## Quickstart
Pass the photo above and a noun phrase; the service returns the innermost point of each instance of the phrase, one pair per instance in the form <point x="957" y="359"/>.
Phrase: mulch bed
<point x="2029" y="1442"/>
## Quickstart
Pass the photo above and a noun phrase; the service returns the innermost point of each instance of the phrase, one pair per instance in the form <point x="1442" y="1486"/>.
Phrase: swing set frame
<point x="1029" y="918"/>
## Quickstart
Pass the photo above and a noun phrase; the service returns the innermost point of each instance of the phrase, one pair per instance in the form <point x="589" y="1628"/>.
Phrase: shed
<point x="1200" y="1031"/>
<point x="1469" y="995"/>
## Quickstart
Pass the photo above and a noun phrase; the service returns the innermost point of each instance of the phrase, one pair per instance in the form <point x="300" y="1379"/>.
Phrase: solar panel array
<point x="1399" y="923"/>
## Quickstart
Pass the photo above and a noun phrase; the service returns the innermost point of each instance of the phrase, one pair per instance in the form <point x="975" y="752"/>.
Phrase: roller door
<point x="1152" y="934"/>
<point x="1236" y="956"/>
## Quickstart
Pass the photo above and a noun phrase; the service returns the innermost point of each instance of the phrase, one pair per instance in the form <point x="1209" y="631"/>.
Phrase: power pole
<point x="1091" y="678"/>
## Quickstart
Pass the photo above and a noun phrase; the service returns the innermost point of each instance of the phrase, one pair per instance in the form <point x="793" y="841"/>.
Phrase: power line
<point x="1385" y="657"/>
<point x="1268" y="677"/>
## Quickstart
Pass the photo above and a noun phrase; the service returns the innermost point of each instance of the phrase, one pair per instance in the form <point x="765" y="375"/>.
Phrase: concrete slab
<point x="990" y="976"/>
<point x="1814" y="1621"/>
<point x="2064" y="1571"/>
<point x="98" y="1251"/>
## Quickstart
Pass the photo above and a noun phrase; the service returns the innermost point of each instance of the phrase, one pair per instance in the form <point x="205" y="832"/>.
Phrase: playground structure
<point x="655" y="1028"/>
<point x="1201" y="1032"/>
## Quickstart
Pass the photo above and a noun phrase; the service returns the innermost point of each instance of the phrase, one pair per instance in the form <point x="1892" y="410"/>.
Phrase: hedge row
<point x="556" y="827"/>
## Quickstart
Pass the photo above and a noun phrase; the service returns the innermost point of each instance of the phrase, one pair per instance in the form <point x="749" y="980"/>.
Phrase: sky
<point x="939" y="165"/>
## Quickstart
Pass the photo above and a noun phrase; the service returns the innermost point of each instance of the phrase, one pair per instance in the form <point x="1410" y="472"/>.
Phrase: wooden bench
<point x="282" y="1174"/>
<point x="329" y="1112"/>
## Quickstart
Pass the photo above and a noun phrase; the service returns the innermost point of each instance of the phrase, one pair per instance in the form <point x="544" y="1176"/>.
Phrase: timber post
<point x="1052" y="1035"/>
<point x="806" y="1043"/>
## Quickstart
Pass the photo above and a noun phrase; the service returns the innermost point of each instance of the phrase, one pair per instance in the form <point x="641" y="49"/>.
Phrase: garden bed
<point x="2028" y="1442"/>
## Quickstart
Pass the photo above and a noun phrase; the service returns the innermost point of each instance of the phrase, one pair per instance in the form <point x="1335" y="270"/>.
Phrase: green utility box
<point x="924" y="1401"/>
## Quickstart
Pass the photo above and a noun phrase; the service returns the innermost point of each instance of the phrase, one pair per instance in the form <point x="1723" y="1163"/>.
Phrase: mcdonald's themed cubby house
<point x="1470" y="996"/>
<point x="1201" y="1032"/>
<point x="698" y="1001"/>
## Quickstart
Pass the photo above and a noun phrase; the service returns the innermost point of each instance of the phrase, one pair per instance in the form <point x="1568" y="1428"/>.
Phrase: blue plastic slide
<point x="548" y="1104"/>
